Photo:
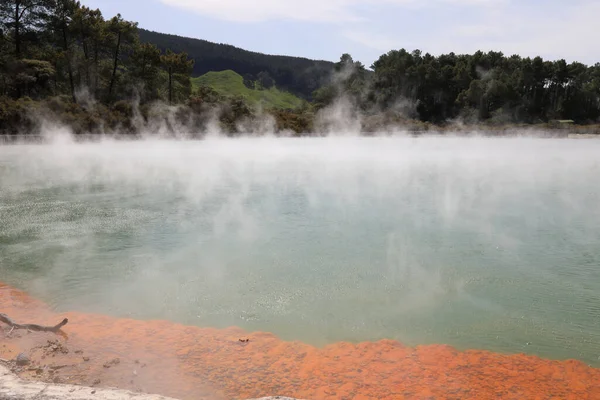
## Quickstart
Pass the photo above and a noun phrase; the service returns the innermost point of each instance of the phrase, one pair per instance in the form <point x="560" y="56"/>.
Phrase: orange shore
<point x="203" y="363"/>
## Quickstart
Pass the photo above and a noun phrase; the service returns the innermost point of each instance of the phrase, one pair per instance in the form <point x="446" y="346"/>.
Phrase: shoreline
<point x="186" y="362"/>
<point x="508" y="133"/>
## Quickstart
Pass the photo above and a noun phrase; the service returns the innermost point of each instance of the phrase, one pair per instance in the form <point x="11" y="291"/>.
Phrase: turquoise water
<point x="477" y="243"/>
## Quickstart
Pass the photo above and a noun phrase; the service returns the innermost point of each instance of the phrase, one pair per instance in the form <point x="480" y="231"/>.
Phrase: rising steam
<point x="318" y="239"/>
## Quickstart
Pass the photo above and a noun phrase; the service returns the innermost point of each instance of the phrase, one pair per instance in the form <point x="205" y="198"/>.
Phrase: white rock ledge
<point x="14" y="388"/>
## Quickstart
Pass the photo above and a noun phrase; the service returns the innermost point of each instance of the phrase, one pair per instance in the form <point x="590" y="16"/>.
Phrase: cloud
<point x="479" y="31"/>
<point x="263" y="10"/>
<point x="374" y="41"/>
<point x="306" y="10"/>
<point x="568" y="32"/>
<point x="558" y="30"/>
<point x="554" y="29"/>
<point x="477" y="2"/>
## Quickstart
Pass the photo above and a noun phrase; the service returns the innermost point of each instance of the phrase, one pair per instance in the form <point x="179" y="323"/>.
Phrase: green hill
<point x="297" y="75"/>
<point x="228" y="83"/>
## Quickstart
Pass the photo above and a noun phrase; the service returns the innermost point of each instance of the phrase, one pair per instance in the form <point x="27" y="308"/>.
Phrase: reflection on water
<point x="475" y="243"/>
<point x="210" y="364"/>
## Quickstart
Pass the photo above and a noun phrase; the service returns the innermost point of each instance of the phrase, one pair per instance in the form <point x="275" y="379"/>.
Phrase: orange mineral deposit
<point x="203" y="363"/>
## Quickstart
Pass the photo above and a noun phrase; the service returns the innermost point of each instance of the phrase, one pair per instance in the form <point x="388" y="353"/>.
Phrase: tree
<point x="32" y="76"/>
<point x="324" y="96"/>
<point x="90" y="29"/>
<point x="124" y="34"/>
<point x="249" y="81"/>
<point x="178" y="67"/>
<point x="265" y="80"/>
<point x="60" y="22"/>
<point x="144" y="69"/>
<point x="349" y="81"/>
<point x="21" y="17"/>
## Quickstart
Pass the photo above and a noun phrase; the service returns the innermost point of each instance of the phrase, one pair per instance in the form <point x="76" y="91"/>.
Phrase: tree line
<point x="89" y="70"/>
<point x="297" y="75"/>
<point x="56" y="47"/>
<point x="482" y="87"/>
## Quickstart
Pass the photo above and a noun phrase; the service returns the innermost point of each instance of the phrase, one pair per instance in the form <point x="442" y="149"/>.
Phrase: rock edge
<point x="14" y="388"/>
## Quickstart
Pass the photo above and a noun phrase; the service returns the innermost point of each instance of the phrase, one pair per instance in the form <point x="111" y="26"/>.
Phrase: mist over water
<point x="474" y="242"/>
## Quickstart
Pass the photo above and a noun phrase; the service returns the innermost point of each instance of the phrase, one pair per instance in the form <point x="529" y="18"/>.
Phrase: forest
<point x="298" y="75"/>
<point x="65" y="62"/>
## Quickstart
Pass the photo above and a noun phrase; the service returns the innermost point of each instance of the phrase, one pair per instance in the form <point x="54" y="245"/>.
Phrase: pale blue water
<point x="477" y="243"/>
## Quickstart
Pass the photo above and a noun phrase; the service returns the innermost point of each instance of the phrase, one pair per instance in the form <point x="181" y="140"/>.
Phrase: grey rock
<point x="23" y="359"/>
<point x="276" y="398"/>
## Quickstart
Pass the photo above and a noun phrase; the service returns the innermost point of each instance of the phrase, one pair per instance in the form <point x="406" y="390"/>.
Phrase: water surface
<point x="477" y="243"/>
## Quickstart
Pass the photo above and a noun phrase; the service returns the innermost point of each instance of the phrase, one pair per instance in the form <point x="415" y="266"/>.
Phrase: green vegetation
<point x="230" y="84"/>
<point x="297" y="75"/>
<point x="65" y="62"/>
<point x="480" y="88"/>
<point x="55" y="47"/>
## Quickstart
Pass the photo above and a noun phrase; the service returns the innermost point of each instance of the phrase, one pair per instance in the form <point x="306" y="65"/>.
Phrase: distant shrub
<point x="123" y="107"/>
<point x="290" y="121"/>
<point x="17" y="116"/>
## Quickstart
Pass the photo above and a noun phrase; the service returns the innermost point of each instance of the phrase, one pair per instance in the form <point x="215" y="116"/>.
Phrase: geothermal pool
<point x="476" y="243"/>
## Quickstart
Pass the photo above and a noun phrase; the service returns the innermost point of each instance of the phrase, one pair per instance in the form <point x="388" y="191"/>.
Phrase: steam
<point x="341" y="117"/>
<point x="317" y="239"/>
<point x="53" y="120"/>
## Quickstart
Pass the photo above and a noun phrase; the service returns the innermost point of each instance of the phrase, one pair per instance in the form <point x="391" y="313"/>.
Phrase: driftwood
<point x="32" y="327"/>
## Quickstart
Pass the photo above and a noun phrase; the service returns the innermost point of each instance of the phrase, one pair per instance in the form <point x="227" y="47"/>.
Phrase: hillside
<point x="300" y="76"/>
<point x="228" y="83"/>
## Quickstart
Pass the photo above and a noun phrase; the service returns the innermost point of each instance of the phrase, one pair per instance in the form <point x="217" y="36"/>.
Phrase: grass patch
<point x="229" y="84"/>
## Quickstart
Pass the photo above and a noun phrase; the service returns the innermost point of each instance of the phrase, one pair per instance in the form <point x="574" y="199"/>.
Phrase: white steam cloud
<point x="338" y="238"/>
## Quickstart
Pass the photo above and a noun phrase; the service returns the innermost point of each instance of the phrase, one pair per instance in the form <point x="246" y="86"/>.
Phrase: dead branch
<point x="32" y="327"/>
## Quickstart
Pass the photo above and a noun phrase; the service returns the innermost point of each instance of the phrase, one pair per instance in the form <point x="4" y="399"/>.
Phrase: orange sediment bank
<point x="202" y="363"/>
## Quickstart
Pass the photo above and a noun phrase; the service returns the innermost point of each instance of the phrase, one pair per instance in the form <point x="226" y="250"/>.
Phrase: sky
<point x="325" y="29"/>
